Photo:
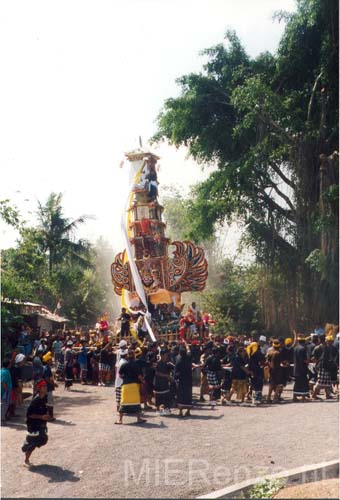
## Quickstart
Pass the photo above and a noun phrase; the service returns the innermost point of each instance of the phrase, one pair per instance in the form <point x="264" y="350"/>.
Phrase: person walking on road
<point x="49" y="378"/>
<point x="276" y="373"/>
<point x="122" y="354"/>
<point x="104" y="363"/>
<point x="37" y="418"/>
<point x="56" y="349"/>
<point x="256" y="364"/>
<point x="68" y="360"/>
<point x="130" y="400"/>
<point x="325" y="355"/>
<point x="6" y="388"/>
<point x="82" y="360"/>
<point x="301" y="384"/>
<point x="183" y="376"/>
<point x="162" y="383"/>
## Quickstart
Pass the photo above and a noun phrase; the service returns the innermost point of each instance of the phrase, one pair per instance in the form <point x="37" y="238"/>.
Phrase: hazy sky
<point x="82" y="79"/>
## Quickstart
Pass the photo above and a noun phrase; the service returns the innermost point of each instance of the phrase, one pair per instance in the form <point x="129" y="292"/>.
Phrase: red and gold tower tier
<point x="163" y="277"/>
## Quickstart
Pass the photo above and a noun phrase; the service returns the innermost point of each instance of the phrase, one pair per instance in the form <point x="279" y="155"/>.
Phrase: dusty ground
<point x="329" y="488"/>
<point x="88" y="456"/>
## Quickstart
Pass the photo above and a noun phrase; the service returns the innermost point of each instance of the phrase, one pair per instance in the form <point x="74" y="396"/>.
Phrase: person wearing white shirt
<point x="263" y="344"/>
<point x="121" y="359"/>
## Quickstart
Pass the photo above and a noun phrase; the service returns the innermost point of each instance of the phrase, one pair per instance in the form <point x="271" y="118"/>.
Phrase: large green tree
<point x="233" y="291"/>
<point x="57" y="232"/>
<point x="234" y="298"/>
<point x="270" y="126"/>
<point x="25" y="270"/>
<point x="50" y="265"/>
<point x="9" y="214"/>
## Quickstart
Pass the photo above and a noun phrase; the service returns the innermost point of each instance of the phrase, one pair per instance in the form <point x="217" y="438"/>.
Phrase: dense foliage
<point x="232" y="295"/>
<point x="270" y="127"/>
<point x="50" y="266"/>
<point x="233" y="299"/>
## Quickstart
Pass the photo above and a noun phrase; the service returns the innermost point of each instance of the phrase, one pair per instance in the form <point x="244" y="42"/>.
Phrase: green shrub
<point x="266" y="488"/>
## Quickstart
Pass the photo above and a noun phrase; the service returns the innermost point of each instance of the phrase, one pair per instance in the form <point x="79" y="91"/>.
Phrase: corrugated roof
<point x="20" y="303"/>
<point x="43" y="312"/>
<point x="53" y="317"/>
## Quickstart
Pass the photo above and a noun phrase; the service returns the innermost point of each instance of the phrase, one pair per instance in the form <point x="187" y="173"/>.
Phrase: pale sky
<point x="82" y="79"/>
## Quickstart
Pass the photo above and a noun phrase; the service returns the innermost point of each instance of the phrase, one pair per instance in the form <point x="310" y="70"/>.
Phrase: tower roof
<point x="139" y="154"/>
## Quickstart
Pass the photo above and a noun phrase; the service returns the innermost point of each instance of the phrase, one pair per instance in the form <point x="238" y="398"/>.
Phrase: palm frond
<point x="81" y="220"/>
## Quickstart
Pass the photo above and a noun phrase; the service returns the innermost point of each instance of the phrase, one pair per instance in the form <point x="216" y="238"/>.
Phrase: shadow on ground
<point x="148" y="425"/>
<point x="18" y="426"/>
<point x="54" y="473"/>
<point x="59" y="421"/>
<point x="68" y="400"/>
<point x="201" y="417"/>
<point x="81" y="391"/>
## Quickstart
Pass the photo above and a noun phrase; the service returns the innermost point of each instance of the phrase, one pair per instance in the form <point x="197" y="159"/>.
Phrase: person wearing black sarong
<point x="149" y="373"/>
<point x="287" y="359"/>
<point x="301" y="384"/>
<point x="183" y="377"/>
<point x="214" y="368"/>
<point x="327" y="361"/>
<point x="255" y="365"/>
<point x="276" y="376"/>
<point x="130" y="403"/>
<point x="37" y="418"/>
<point x="68" y="361"/>
<point x="162" y="383"/>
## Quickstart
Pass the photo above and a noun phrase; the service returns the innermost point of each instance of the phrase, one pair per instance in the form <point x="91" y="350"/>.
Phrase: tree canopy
<point x="50" y="265"/>
<point x="270" y="126"/>
<point x="56" y="233"/>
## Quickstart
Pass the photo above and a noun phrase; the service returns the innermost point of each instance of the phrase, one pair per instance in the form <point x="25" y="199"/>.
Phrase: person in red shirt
<point x="183" y="328"/>
<point x="103" y="326"/>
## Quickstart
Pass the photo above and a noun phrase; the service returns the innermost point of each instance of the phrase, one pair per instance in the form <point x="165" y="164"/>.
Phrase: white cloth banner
<point x="135" y="166"/>
<point x="148" y="326"/>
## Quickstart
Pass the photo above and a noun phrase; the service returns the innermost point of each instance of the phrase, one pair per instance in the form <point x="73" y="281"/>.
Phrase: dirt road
<point x="88" y="456"/>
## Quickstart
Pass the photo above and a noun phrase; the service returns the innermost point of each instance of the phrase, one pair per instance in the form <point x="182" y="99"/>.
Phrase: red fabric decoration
<point x="145" y="226"/>
<point x="41" y="384"/>
<point x="182" y="332"/>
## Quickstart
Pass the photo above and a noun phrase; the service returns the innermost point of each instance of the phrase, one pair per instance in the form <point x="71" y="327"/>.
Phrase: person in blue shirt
<point x="318" y="329"/>
<point x="6" y="388"/>
<point x="82" y="360"/>
<point x="25" y="340"/>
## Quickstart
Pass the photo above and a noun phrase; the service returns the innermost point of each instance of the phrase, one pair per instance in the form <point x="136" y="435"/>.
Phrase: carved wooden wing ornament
<point x="177" y="266"/>
<point x="188" y="270"/>
<point x="120" y="273"/>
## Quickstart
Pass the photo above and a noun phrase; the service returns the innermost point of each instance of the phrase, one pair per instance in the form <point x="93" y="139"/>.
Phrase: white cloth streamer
<point x="135" y="166"/>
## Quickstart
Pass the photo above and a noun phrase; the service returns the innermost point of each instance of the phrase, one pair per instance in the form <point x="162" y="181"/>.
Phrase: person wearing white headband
<point x="263" y="344"/>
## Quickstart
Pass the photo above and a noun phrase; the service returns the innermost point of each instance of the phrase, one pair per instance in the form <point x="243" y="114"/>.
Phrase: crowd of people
<point x="160" y="375"/>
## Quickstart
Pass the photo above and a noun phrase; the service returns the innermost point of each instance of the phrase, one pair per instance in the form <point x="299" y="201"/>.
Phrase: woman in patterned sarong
<point x="130" y="403"/>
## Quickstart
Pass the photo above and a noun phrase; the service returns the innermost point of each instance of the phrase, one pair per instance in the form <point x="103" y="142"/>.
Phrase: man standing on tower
<point x="124" y="318"/>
